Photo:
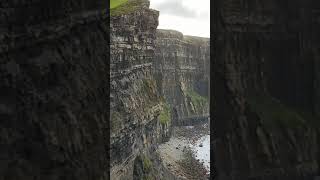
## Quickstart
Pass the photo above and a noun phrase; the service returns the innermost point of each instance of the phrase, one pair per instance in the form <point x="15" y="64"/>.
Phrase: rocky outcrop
<point x="53" y="102"/>
<point x="266" y="89"/>
<point x="181" y="68"/>
<point x="135" y="103"/>
<point x="141" y="74"/>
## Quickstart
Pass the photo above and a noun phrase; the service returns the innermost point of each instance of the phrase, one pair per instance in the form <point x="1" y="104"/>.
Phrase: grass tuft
<point x="116" y="3"/>
<point x="115" y="120"/>
<point x="165" y="115"/>
<point x="197" y="99"/>
<point x="273" y="113"/>
<point x="121" y="7"/>
<point x="146" y="164"/>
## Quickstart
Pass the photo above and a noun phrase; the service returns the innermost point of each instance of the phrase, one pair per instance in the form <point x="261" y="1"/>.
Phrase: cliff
<point x="266" y="89"/>
<point x="182" y="70"/>
<point x="55" y="97"/>
<point x="54" y="122"/>
<point x="136" y="128"/>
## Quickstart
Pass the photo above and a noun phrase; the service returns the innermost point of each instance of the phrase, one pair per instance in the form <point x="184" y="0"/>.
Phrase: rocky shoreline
<point x="179" y="157"/>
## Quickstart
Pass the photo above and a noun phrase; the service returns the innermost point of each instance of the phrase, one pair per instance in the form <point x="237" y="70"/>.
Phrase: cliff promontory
<point x="136" y="105"/>
<point x="182" y="70"/>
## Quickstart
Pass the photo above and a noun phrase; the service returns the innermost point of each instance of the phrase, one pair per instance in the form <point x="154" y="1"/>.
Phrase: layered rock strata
<point x="53" y="102"/>
<point x="266" y="89"/>
<point x="182" y="70"/>
<point x="135" y="102"/>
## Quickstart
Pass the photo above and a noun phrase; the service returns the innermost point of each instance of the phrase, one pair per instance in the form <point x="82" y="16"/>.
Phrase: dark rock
<point x="54" y="95"/>
<point x="181" y="69"/>
<point x="266" y="66"/>
<point x="135" y="105"/>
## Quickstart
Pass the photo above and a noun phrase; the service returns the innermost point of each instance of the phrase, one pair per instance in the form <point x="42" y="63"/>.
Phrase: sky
<point x="191" y="17"/>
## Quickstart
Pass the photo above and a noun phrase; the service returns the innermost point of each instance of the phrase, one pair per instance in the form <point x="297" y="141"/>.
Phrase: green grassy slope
<point x="116" y="3"/>
<point x="274" y="113"/>
<point x="120" y="7"/>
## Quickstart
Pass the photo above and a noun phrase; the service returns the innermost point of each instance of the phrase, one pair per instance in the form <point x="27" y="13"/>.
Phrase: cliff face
<point x="266" y="89"/>
<point x="135" y="102"/>
<point x="181" y="68"/>
<point x="53" y="102"/>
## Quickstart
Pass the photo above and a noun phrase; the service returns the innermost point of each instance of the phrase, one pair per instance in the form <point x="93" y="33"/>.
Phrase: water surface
<point x="203" y="153"/>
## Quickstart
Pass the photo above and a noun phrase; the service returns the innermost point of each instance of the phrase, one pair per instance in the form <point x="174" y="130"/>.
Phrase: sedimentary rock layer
<point x="266" y="89"/>
<point x="135" y="102"/>
<point x="53" y="102"/>
<point x="181" y="68"/>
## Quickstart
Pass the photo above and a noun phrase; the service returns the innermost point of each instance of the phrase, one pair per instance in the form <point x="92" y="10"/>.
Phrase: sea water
<point x="203" y="153"/>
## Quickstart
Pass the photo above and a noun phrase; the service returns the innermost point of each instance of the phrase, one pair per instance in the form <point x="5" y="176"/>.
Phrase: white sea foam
<point x="203" y="153"/>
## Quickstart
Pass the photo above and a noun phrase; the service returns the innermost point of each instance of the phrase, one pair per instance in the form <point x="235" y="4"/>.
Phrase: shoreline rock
<point x="179" y="154"/>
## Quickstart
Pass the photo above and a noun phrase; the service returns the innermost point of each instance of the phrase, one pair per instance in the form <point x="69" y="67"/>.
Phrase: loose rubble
<point x="179" y="158"/>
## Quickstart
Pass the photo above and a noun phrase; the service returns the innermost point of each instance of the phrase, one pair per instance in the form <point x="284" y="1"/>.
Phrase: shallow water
<point x="203" y="153"/>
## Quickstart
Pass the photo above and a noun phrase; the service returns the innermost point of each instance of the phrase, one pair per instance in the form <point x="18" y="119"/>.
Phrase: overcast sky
<point x="191" y="17"/>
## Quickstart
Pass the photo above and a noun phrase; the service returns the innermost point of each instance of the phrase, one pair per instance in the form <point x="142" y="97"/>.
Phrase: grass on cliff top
<point x="274" y="114"/>
<point x="116" y="3"/>
<point x="120" y="7"/>
<point x="165" y="114"/>
<point x="196" y="40"/>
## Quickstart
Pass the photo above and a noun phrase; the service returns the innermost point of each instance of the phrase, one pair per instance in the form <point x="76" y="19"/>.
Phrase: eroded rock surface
<point x="266" y="89"/>
<point x="135" y="101"/>
<point x="182" y="70"/>
<point x="53" y="117"/>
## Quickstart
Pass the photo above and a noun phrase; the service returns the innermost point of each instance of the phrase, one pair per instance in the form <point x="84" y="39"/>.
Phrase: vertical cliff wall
<point x="135" y="103"/>
<point x="182" y="71"/>
<point x="266" y="89"/>
<point x="53" y="102"/>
